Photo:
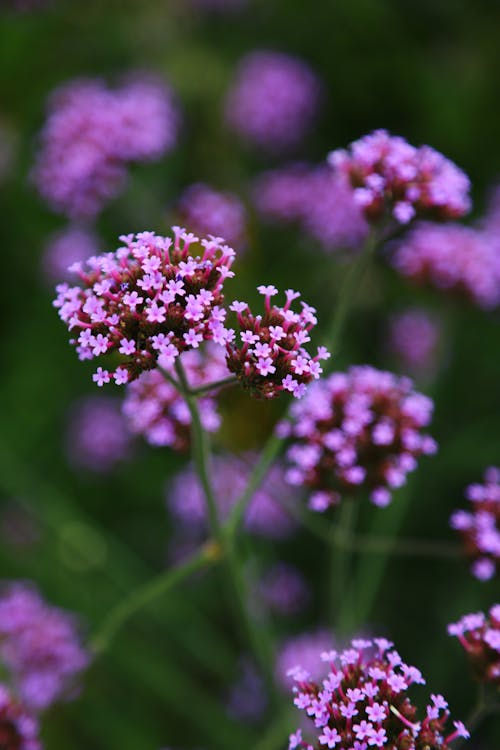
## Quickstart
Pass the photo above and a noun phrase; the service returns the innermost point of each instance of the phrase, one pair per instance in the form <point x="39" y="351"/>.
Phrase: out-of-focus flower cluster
<point x="39" y="647"/>
<point x="480" y="527"/>
<point x="204" y="210"/>
<point x="320" y="201"/>
<point x="273" y="100"/>
<point x="480" y="637"/>
<point x="390" y="177"/>
<point x="302" y="649"/>
<point x="148" y="302"/>
<point x="155" y="409"/>
<point x="97" y="437"/>
<point x="265" y="516"/>
<point x="283" y="590"/>
<point x="18" y="728"/>
<point x="413" y="337"/>
<point x="63" y="249"/>
<point x="272" y="358"/>
<point x="90" y="135"/>
<point x="363" y="702"/>
<point x="359" y="430"/>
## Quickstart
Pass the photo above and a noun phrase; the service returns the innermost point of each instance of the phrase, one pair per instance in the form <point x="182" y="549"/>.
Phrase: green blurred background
<point x="429" y="71"/>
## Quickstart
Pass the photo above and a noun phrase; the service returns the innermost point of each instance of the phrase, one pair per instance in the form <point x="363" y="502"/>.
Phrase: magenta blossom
<point x="479" y="635"/>
<point x="97" y="437"/>
<point x="413" y="337"/>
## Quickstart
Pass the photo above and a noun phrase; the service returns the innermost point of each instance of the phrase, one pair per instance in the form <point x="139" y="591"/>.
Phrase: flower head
<point x="97" y="437"/>
<point x="479" y="527"/>
<point x="479" y="634"/>
<point x="392" y="178"/>
<point x="273" y="100"/>
<point x="204" y="210"/>
<point x="148" y="301"/>
<point x="414" y="337"/>
<point x="271" y="358"/>
<point x="155" y="409"/>
<point x="18" y="728"/>
<point x="39" y="646"/>
<point x="359" y="430"/>
<point x="362" y="702"/>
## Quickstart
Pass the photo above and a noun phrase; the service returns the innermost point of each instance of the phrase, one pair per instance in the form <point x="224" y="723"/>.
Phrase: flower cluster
<point x="391" y="177"/>
<point x="39" y="646"/>
<point x="272" y="358"/>
<point x="265" y="515"/>
<point x="18" y="729"/>
<point x="480" y="527"/>
<point x="273" y="100"/>
<point x="97" y="437"/>
<point x="413" y="336"/>
<point x="148" y="302"/>
<point x="356" y="430"/>
<point x="480" y="637"/>
<point x="453" y="258"/>
<point x="90" y="135"/>
<point x="72" y="245"/>
<point x="155" y="409"/>
<point x="320" y="201"/>
<point x="204" y="210"/>
<point x="363" y="703"/>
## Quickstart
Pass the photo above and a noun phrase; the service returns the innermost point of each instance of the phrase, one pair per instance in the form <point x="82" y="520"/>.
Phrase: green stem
<point x="340" y="559"/>
<point x="217" y="385"/>
<point x="152" y="590"/>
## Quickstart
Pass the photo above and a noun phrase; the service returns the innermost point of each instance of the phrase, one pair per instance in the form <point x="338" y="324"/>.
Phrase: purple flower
<point x="359" y="430"/>
<point x="391" y="177"/>
<point x="138" y="294"/>
<point x="155" y="409"/>
<point x="246" y="700"/>
<point x="302" y="650"/>
<point x="479" y="527"/>
<point x="39" y="646"/>
<point x="479" y="635"/>
<point x="204" y="210"/>
<point x="18" y="728"/>
<point x="388" y="722"/>
<point x="413" y="336"/>
<point x="97" y="437"/>
<point x="273" y="100"/>
<point x="283" y="589"/>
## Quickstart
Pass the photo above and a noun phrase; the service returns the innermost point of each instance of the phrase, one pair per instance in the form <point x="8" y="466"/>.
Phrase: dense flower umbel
<point x="155" y="409"/>
<point x="97" y="437"/>
<point x="480" y="637"/>
<point x="18" y="729"/>
<point x="360" y="430"/>
<point x="39" y="646"/>
<point x="148" y="302"/>
<point x="265" y="515"/>
<point x="362" y="703"/>
<point x="453" y="258"/>
<point x="204" y="210"/>
<point x="413" y="336"/>
<point x="90" y="135"/>
<point x="393" y="178"/>
<point x="273" y="100"/>
<point x="480" y="527"/>
<point x="271" y="358"/>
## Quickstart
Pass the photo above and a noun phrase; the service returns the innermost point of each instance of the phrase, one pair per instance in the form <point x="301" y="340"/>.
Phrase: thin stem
<point x="153" y="589"/>
<point x="217" y="385"/>
<point x="340" y="547"/>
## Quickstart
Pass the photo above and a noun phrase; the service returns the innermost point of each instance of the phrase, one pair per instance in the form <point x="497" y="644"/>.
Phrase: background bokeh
<point x="428" y="71"/>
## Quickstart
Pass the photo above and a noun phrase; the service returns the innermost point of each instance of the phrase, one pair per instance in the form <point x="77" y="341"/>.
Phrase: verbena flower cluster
<point x="480" y="526"/>
<point x="359" y="430"/>
<point x="71" y="245"/>
<point x="90" y="135"/>
<point x="320" y="201"/>
<point x="271" y="357"/>
<point x="273" y="100"/>
<point x="480" y="637"/>
<point x="390" y="177"/>
<point x="265" y="516"/>
<point x="148" y="302"/>
<point x="39" y="647"/>
<point x="155" y="409"/>
<point x="453" y="258"/>
<point x="97" y="437"/>
<point x="413" y="337"/>
<point x="204" y="210"/>
<point x="18" y="728"/>
<point x="363" y="702"/>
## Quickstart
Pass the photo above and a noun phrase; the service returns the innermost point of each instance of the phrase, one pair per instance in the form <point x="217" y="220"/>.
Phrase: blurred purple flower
<point x="97" y="437"/>
<point x="18" y="728"/>
<point x="204" y="210"/>
<point x="302" y="649"/>
<point x="246" y="700"/>
<point x="283" y="590"/>
<point x="71" y="245"/>
<point x="479" y="635"/>
<point x="414" y="336"/>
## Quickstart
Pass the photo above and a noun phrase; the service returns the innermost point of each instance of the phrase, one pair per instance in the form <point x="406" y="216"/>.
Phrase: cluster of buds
<point x="18" y="729"/>
<point x="155" y="409"/>
<point x="390" y="177"/>
<point x="480" y="637"/>
<point x="272" y="358"/>
<point x="148" y="302"/>
<point x="363" y="703"/>
<point x="39" y="646"/>
<point x="360" y="430"/>
<point x="480" y="528"/>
